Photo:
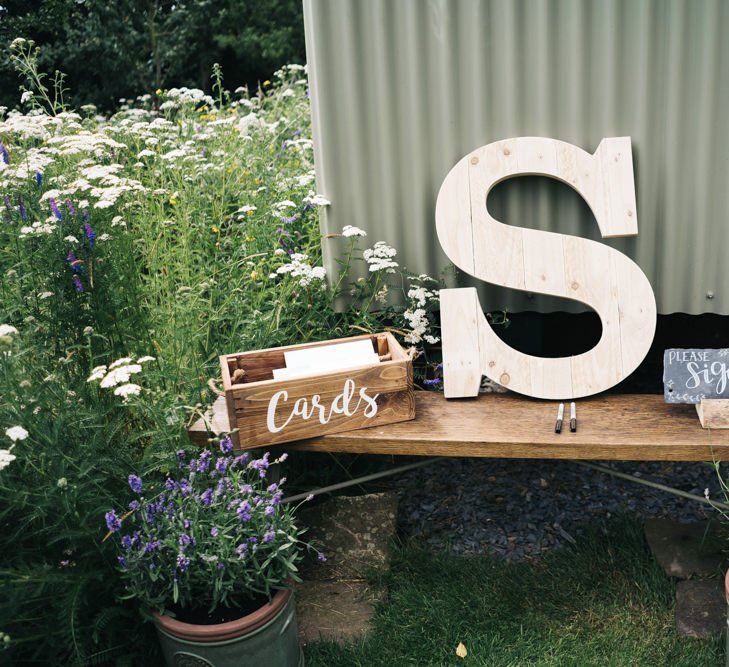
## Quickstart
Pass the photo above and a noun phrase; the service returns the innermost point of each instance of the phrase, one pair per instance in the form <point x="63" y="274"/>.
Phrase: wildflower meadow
<point x="134" y="249"/>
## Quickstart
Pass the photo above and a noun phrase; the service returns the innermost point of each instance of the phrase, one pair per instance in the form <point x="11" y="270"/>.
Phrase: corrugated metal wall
<point x="401" y="89"/>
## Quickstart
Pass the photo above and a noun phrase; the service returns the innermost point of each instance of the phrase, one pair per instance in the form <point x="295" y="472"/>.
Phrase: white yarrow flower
<point x="349" y="230"/>
<point x="127" y="390"/>
<point x="6" y="458"/>
<point x="7" y="330"/>
<point x="379" y="257"/>
<point x="119" y="375"/>
<point x="97" y="374"/>
<point x="16" y="433"/>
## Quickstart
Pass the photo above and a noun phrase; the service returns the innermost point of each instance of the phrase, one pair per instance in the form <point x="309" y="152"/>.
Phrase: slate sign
<point x="690" y="375"/>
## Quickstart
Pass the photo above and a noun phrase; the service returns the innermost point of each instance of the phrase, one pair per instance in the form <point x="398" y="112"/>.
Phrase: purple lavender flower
<point x="276" y="500"/>
<point x="432" y="382"/>
<point x="170" y="484"/>
<point x="184" y="541"/>
<point x="39" y="178"/>
<point x="4" y="153"/>
<point x="321" y="557"/>
<point x="185" y="488"/>
<point x="226" y="445"/>
<point x="261" y="465"/>
<point x="272" y="488"/>
<point x="78" y="285"/>
<point x="183" y="562"/>
<point x="135" y="483"/>
<point x="270" y="510"/>
<point x="113" y="522"/>
<point x="90" y="235"/>
<point x="242" y="550"/>
<point x="246" y="488"/>
<point x="134" y="505"/>
<point x="223" y="485"/>
<point x="220" y="566"/>
<point x="55" y="210"/>
<point x="206" y="497"/>
<point x="126" y="542"/>
<point x="152" y="546"/>
<point x="203" y="462"/>
<point x="187" y="523"/>
<point x="21" y="209"/>
<point x="221" y="465"/>
<point x="269" y="536"/>
<point x="180" y="457"/>
<point x="122" y="561"/>
<point x="244" y="511"/>
<point x="85" y="216"/>
<point x="240" y="460"/>
<point x="214" y="532"/>
<point x="70" y="208"/>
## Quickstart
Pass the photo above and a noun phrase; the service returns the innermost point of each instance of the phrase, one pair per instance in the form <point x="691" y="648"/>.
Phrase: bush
<point x="146" y="243"/>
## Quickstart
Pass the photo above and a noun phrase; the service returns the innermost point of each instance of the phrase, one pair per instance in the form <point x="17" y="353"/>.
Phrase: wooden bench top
<point x="638" y="427"/>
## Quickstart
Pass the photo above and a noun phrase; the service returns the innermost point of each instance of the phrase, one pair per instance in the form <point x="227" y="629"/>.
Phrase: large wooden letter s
<point x="543" y="262"/>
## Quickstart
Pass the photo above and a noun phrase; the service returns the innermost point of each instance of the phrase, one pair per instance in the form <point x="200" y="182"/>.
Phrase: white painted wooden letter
<point x="543" y="262"/>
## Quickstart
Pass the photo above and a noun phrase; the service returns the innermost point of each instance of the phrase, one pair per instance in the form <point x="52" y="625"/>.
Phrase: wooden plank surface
<point x="636" y="427"/>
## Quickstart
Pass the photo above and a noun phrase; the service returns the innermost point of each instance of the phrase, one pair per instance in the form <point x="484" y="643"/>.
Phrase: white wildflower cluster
<point x="117" y="374"/>
<point x="349" y="230"/>
<point x="6" y="458"/>
<point x="418" y="323"/>
<point x="313" y="199"/>
<point x="300" y="268"/>
<point x="37" y="229"/>
<point x="8" y="330"/>
<point x="16" y="433"/>
<point x="180" y="97"/>
<point x="379" y="258"/>
<point x="421" y="295"/>
<point x="416" y="315"/>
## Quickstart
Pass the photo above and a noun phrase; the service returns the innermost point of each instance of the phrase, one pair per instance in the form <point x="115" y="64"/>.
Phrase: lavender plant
<point x="214" y="535"/>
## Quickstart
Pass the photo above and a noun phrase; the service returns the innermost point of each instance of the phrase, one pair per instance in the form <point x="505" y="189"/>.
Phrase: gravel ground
<point x="521" y="509"/>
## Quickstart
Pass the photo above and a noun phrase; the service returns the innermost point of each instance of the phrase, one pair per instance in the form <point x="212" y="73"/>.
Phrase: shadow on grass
<point x="602" y="602"/>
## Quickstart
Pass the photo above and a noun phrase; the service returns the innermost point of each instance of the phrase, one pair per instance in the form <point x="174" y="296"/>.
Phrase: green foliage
<point x="118" y="49"/>
<point x="142" y="246"/>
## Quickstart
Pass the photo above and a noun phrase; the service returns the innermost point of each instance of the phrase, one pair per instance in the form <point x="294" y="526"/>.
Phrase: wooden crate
<point x="266" y="411"/>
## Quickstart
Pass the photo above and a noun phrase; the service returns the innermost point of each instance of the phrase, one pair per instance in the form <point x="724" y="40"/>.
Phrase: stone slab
<point x="687" y="551"/>
<point x="336" y="601"/>
<point x="354" y="532"/>
<point x="701" y="608"/>
<point x="335" y="610"/>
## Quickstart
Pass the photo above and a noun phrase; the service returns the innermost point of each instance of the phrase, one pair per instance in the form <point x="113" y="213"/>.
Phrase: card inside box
<point x="259" y="366"/>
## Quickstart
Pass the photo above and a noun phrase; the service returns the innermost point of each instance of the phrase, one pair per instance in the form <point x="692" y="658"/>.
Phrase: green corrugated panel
<point x="401" y="89"/>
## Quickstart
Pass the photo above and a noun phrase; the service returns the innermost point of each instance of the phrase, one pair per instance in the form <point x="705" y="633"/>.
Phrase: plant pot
<point x="268" y="636"/>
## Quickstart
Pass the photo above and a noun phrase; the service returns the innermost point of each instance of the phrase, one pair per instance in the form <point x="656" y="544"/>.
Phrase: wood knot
<point x="492" y="364"/>
<point x="474" y="160"/>
<point x="575" y="285"/>
<point x="507" y="151"/>
<point x="504" y="379"/>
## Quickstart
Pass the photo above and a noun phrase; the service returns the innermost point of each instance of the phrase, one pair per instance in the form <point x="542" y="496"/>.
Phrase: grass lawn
<point x="604" y="601"/>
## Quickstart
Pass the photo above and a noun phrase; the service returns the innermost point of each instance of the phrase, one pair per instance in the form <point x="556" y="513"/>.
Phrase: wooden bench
<point x="624" y="427"/>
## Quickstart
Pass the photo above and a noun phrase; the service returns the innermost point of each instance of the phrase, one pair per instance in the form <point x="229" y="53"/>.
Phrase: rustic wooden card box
<point x="267" y="411"/>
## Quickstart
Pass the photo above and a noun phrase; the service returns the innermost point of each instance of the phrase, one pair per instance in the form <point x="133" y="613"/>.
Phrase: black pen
<point x="573" y="417"/>
<point x="560" y="417"/>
